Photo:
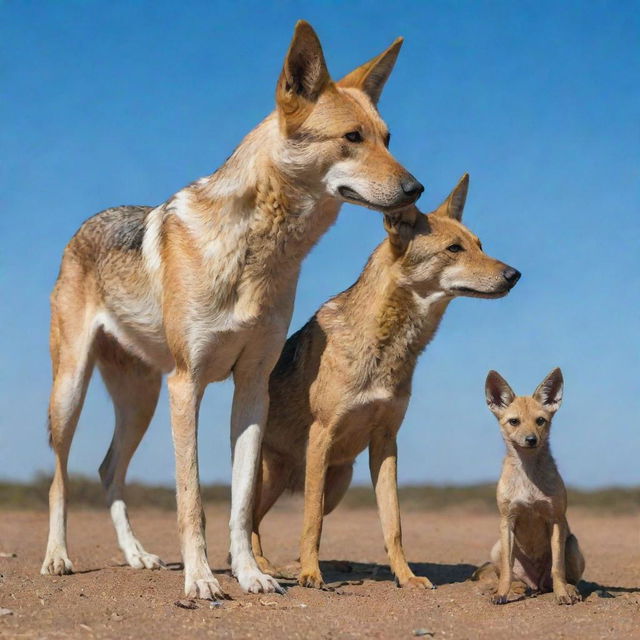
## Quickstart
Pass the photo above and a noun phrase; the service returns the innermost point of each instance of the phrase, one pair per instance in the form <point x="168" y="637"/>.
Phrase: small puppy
<point x="535" y="545"/>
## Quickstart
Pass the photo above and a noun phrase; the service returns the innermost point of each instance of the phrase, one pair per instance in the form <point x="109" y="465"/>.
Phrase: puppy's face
<point x="525" y="421"/>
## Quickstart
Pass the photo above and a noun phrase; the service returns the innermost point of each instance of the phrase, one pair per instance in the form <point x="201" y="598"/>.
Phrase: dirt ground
<point x="108" y="600"/>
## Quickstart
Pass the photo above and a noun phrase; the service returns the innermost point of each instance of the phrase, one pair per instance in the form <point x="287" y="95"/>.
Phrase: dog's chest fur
<point x="531" y="497"/>
<point x="212" y="272"/>
<point x="246" y="273"/>
<point x="351" y="366"/>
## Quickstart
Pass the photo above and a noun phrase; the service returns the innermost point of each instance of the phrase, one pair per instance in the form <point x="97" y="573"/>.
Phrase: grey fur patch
<point x="124" y="227"/>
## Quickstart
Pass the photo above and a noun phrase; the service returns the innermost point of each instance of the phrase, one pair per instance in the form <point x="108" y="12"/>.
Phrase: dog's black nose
<point x="532" y="441"/>
<point x="511" y="275"/>
<point x="411" y="187"/>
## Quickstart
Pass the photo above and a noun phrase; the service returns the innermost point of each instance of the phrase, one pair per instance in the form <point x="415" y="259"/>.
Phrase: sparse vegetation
<point x="88" y="493"/>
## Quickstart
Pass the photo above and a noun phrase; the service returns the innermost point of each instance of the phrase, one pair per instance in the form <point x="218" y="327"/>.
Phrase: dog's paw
<point x="498" y="598"/>
<point x="144" y="560"/>
<point x="203" y="586"/>
<point x="254" y="581"/>
<point x="418" y="582"/>
<point x="265" y="566"/>
<point x="568" y="595"/>
<point x="311" y="579"/>
<point x="56" y="564"/>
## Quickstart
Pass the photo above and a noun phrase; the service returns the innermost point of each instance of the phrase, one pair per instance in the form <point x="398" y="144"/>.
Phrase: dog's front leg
<point x="248" y="419"/>
<point x="383" y="456"/>
<point x="185" y="395"/>
<point x="506" y="561"/>
<point x="564" y="593"/>
<point x="314" y="486"/>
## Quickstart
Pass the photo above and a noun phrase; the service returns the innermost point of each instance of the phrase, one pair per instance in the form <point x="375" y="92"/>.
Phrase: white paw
<point x="203" y="585"/>
<point x="143" y="560"/>
<point x="56" y="563"/>
<point x="254" y="581"/>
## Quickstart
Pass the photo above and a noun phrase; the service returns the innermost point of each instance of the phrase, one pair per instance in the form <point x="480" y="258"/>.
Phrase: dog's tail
<point x="486" y="570"/>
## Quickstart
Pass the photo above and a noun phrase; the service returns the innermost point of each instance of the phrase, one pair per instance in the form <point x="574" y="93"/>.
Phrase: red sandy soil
<point x="108" y="600"/>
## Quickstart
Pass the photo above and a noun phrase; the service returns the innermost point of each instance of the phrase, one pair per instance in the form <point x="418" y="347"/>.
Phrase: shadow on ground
<point x="350" y="572"/>
<point x="593" y="589"/>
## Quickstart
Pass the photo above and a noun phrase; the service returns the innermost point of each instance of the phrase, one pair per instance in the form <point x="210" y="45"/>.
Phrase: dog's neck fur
<point x="250" y="218"/>
<point x="536" y="466"/>
<point x="389" y="320"/>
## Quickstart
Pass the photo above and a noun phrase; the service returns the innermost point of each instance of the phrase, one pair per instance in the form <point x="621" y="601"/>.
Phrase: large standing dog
<point x="202" y="287"/>
<point x="343" y="381"/>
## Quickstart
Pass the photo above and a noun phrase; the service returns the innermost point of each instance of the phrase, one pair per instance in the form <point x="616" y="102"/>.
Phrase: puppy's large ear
<point x="498" y="393"/>
<point x="372" y="76"/>
<point x="453" y="206"/>
<point x="304" y="76"/>
<point x="549" y="391"/>
<point x="401" y="228"/>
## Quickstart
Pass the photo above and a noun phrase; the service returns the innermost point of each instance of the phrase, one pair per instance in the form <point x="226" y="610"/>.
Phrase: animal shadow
<point x="594" y="589"/>
<point x="346" y="572"/>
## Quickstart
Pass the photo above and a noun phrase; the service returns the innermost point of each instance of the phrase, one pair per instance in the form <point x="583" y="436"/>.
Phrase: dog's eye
<point x="514" y="422"/>
<point x="353" y="136"/>
<point x="387" y="140"/>
<point x="540" y="421"/>
<point x="455" y="248"/>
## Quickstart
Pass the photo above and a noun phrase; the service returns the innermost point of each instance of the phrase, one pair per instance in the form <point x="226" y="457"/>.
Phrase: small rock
<point x="5" y="612"/>
<point x="214" y="604"/>
<point x="423" y="632"/>
<point x="86" y="627"/>
<point x="116" y="617"/>
<point x="186" y="604"/>
<point x="604" y="594"/>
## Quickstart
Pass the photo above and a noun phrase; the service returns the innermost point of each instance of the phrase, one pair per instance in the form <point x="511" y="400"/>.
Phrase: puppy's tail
<point x="484" y="571"/>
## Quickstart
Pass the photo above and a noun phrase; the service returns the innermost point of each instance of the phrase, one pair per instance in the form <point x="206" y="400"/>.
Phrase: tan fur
<point x="202" y="287"/>
<point x="535" y="545"/>
<point x="343" y="381"/>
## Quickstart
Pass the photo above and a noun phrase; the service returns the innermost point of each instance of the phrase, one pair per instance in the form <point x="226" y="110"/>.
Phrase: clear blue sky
<point x="106" y="103"/>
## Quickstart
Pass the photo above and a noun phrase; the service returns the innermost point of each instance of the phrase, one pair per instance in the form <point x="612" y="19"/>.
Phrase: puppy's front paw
<point x="417" y="582"/>
<point x="311" y="579"/>
<point x="498" y="598"/>
<point x="567" y="595"/>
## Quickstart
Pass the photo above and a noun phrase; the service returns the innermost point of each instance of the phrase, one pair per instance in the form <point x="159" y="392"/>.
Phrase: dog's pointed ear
<point x="400" y="228"/>
<point x="304" y="76"/>
<point x="549" y="391"/>
<point x="372" y="76"/>
<point x="453" y="206"/>
<point x="498" y="393"/>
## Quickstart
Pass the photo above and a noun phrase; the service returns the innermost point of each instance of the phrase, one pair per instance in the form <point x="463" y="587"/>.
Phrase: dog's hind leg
<point x="71" y="342"/>
<point x="335" y="485"/>
<point x="272" y="481"/>
<point x="134" y="388"/>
